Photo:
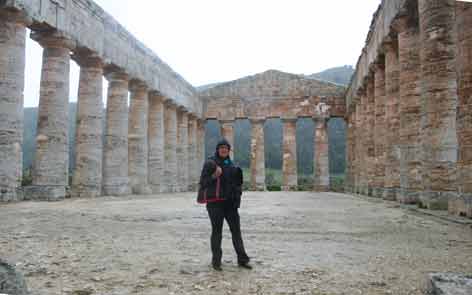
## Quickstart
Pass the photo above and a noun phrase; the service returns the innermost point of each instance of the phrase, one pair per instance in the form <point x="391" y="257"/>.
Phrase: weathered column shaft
<point x="289" y="163"/>
<point x="359" y="156"/>
<point x="182" y="150"/>
<point x="201" y="143"/>
<point x="410" y="100"/>
<point x="87" y="177"/>
<point x="438" y="102"/>
<point x="51" y="163"/>
<point x="137" y="138"/>
<point x="227" y="131"/>
<point x="463" y="204"/>
<point x="193" y="159"/>
<point x="363" y="135"/>
<point x="257" y="155"/>
<point x="156" y="143"/>
<point x="170" y="133"/>
<point x="321" y="155"/>
<point x="350" y="152"/>
<point x="392" y="118"/>
<point x="370" y="135"/>
<point x="379" y="130"/>
<point x="115" y="158"/>
<point x="12" y="72"/>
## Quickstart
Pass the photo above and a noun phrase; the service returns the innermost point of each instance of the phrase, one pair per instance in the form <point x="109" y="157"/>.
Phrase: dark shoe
<point x="245" y="265"/>
<point x="217" y="267"/>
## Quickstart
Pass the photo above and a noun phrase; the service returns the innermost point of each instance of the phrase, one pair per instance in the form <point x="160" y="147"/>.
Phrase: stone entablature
<point x="88" y="26"/>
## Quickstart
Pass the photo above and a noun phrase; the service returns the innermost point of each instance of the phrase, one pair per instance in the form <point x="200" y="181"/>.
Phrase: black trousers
<point x="217" y="214"/>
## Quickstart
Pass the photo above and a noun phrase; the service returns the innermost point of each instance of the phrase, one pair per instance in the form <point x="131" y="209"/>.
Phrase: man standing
<point x="220" y="189"/>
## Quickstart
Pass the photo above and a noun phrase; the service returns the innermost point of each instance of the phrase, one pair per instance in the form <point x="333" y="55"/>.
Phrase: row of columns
<point x="151" y="146"/>
<point x="409" y="136"/>
<point x="289" y="148"/>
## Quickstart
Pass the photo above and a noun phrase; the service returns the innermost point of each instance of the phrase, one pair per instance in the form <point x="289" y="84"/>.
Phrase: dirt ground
<point x="300" y="243"/>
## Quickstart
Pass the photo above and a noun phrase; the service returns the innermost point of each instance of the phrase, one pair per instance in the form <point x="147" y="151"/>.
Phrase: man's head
<point x="222" y="148"/>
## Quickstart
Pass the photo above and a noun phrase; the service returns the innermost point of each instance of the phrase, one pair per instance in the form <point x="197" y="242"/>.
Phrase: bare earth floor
<point x="301" y="243"/>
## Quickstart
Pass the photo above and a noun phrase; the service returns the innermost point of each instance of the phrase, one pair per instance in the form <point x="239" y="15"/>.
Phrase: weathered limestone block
<point x="321" y="154"/>
<point x="438" y="102"/>
<point x="182" y="149"/>
<point x="257" y="155"/>
<point x="137" y="138"/>
<point x="115" y="159"/>
<point x="12" y="71"/>
<point x="227" y="131"/>
<point x="379" y="129"/>
<point x="170" y="133"/>
<point x="87" y="177"/>
<point x="463" y="204"/>
<point x="193" y="158"/>
<point x="392" y="118"/>
<point x="11" y="282"/>
<point x="51" y="163"/>
<point x="410" y="100"/>
<point x="289" y="163"/>
<point x="449" y="284"/>
<point x="370" y="135"/>
<point x="156" y="143"/>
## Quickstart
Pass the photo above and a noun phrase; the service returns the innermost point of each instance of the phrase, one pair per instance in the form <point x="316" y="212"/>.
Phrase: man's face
<point x="223" y="151"/>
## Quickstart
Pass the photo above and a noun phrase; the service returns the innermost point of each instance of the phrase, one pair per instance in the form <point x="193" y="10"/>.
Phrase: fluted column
<point x="257" y="155"/>
<point x="370" y="135"/>
<point x="137" y="138"/>
<point x="392" y="118"/>
<point x="170" y="133"/>
<point x="200" y="143"/>
<point x="12" y="71"/>
<point x="358" y="174"/>
<point x="379" y="129"/>
<point x="227" y="131"/>
<point x="289" y="163"/>
<point x="182" y="149"/>
<point x="193" y="160"/>
<point x="350" y="152"/>
<point x="87" y="176"/>
<point x="438" y="102"/>
<point x="462" y="205"/>
<point x="156" y="138"/>
<point x="321" y="155"/>
<point x="115" y="156"/>
<point x="410" y="100"/>
<point x="51" y="163"/>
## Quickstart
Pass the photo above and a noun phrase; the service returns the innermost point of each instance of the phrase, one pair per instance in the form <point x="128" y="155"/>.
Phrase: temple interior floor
<point x="300" y="243"/>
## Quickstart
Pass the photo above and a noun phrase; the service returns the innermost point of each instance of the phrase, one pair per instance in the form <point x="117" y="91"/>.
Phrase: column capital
<point x="170" y="104"/>
<point x="289" y="119"/>
<point x="16" y="16"/>
<point x="404" y="23"/>
<point x="255" y="120"/>
<point x="156" y="95"/>
<point x="318" y="119"/>
<point x="226" y="122"/>
<point x="53" y="39"/>
<point x="112" y="72"/>
<point x="390" y="44"/>
<point x="192" y="116"/>
<point x="88" y="59"/>
<point x="183" y="110"/>
<point x="137" y="85"/>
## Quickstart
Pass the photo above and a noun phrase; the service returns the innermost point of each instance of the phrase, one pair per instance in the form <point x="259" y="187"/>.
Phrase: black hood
<point x="223" y="142"/>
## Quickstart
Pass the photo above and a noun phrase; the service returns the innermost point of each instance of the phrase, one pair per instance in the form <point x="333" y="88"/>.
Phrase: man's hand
<point x="218" y="172"/>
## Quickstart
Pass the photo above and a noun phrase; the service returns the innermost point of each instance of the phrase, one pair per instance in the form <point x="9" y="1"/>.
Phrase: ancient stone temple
<point x="408" y="106"/>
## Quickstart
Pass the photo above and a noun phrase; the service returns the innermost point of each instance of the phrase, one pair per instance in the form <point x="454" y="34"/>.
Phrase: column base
<point x="116" y="190"/>
<point x="141" y="189"/>
<point x="11" y="195"/>
<point x="49" y="193"/>
<point x="321" y="188"/>
<point x="436" y="200"/>
<point x="365" y="190"/>
<point x="289" y="188"/>
<point x="377" y="192"/>
<point x="85" y="192"/>
<point x="408" y="197"/>
<point x="390" y="194"/>
<point x="259" y="188"/>
<point x="461" y="205"/>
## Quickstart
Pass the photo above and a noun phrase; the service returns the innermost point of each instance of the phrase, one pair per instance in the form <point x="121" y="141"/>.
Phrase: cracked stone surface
<point x="300" y="243"/>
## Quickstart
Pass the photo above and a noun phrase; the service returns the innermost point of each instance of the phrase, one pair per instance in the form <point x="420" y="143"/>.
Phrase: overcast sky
<point x="209" y="41"/>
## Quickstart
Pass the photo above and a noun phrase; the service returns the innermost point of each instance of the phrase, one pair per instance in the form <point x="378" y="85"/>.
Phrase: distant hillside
<point x="339" y="75"/>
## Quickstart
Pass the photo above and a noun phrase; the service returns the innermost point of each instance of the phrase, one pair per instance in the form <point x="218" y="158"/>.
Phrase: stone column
<point x="350" y="152"/>
<point x="370" y="135"/>
<point x="438" y="102"/>
<point x="257" y="155"/>
<point x="12" y="71"/>
<point x="170" y="135"/>
<point x="51" y="163"/>
<point x="200" y="143"/>
<point x="156" y="139"/>
<point x="410" y="94"/>
<point x="392" y="118"/>
<point x="359" y="156"/>
<point x="115" y="157"/>
<point x="463" y="204"/>
<point x="321" y="155"/>
<point x="182" y="149"/>
<point x="227" y="131"/>
<point x="379" y="129"/>
<point x="87" y="177"/>
<point x="137" y="138"/>
<point x="289" y="163"/>
<point x="193" y="159"/>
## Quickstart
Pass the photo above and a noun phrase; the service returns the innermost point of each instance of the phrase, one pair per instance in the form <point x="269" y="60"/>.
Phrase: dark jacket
<point x="225" y="189"/>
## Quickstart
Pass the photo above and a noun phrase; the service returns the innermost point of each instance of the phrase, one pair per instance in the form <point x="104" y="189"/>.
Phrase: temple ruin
<point x="408" y="109"/>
